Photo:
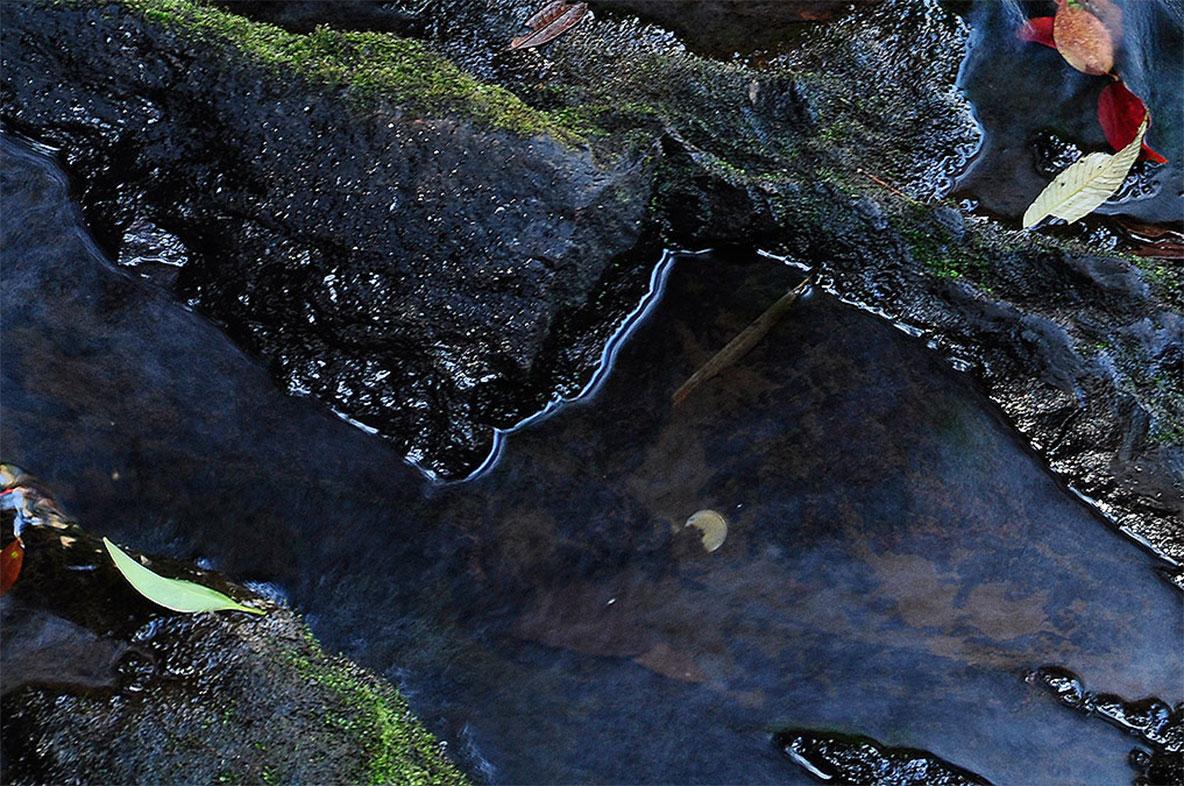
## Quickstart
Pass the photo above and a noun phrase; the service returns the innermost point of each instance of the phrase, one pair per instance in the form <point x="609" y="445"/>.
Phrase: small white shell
<point x="713" y="528"/>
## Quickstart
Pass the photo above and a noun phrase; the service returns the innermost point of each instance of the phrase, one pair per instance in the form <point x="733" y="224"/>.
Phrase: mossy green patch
<point x="932" y="245"/>
<point x="1166" y="278"/>
<point x="370" y="65"/>
<point x="398" y="747"/>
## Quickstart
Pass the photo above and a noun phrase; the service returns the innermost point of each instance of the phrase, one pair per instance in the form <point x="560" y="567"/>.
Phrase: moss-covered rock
<point x="102" y="686"/>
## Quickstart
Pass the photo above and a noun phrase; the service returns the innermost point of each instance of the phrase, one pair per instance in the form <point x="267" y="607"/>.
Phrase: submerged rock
<point x="101" y="686"/>
<point x="861" y="761"/>
<point x="434" y="256"/>
<point x="1152" y="720"/>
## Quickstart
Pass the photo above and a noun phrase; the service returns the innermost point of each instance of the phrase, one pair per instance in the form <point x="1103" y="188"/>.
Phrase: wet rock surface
<point x="101" y="686"/>
<point x="861" y="761"/>
<point x="895" y="560"/>
<point x="446" y="292"/>
<point x="721" y="28"/>
<point x="1152" y="720"/>
<point x="435" y="320"/>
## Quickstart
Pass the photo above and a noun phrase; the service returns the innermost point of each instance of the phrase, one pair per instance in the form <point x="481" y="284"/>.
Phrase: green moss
<point x="399" y="749"/>
<point x="1168" y="434"/>
<point x="1168" y="279"/>
<point x="371" y="65"/>
<point x="932" y="244"/>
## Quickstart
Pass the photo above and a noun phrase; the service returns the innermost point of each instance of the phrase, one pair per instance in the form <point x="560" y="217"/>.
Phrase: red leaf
<point x="11" y="560"/>
<point x="1120" y="112"/>
<point x="1038" y="31"/>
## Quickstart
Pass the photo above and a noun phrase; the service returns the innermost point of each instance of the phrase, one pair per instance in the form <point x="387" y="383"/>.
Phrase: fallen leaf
<point x="713" y="528"/>
<point x="742" y="343"/>
<point x="1120" y="112"/>
<point x="553" y="20"/>
<point x="1151" y="240"/>
<point x="1081" y="188"/>
<point x="11" y="559"/>
<point x="547" y="14"/>
<point x="1082" y="38"/>
<point x="1038" y="31"/>
<point x="1109" y="13"/>
<point x="175" y="594"/>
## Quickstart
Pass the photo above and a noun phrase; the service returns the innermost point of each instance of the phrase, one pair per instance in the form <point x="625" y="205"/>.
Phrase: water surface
<point x="896" y="559"/>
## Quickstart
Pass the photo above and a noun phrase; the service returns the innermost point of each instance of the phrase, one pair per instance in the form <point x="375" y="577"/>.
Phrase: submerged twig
<point x="741" y="344"/>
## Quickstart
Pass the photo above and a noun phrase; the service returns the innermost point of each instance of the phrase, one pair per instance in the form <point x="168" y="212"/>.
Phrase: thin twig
<point x="887" y="185"/>
<point x="741" y="344"/>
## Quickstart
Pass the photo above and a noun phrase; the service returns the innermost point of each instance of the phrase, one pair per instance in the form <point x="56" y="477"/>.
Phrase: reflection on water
<point x="895" y="561"/>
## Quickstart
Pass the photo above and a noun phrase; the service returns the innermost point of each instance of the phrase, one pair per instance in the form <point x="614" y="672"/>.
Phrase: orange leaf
<point x="1082" y="38"/>
<point x="11" y="559"/>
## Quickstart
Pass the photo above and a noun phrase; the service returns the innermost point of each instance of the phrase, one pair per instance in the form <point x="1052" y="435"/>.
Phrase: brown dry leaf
<point x="1111" y="16"/>
<point x="1083" y="39"/>
<point x="741" y="344"/>
<point x="547" y="14"/>
<point x="552" y="20"/>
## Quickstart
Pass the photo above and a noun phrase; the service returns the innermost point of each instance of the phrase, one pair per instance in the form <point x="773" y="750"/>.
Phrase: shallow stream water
<point x="896" y="559"/>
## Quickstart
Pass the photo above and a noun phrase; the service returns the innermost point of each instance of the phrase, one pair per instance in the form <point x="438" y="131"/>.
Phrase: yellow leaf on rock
<point x="1078" y="190"/>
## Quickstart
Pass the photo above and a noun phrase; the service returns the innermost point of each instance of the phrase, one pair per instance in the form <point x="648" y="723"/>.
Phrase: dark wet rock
<point x="439" y="324"/>
<point x="861" y="761"/>
<point x="1158" y="769"/>
<point x="304" y="16"/>
<point x="102" y="686"/>
<point x="426" y="277"/>
<point x="722" y="27"/>
<point x="1152" y="720"/>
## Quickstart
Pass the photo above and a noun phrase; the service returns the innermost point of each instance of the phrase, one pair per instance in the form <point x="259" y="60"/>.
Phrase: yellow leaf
<point x="712" y="526"/>
<point x="1078" y="190"/>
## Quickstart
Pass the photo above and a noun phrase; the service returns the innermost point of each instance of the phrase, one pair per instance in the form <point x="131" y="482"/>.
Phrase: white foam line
<point x="354" y="423"/>
<point x="805" y="763"/>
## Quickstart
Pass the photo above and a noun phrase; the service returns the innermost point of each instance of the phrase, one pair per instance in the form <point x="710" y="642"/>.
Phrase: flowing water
<point x="895" y="561"/>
